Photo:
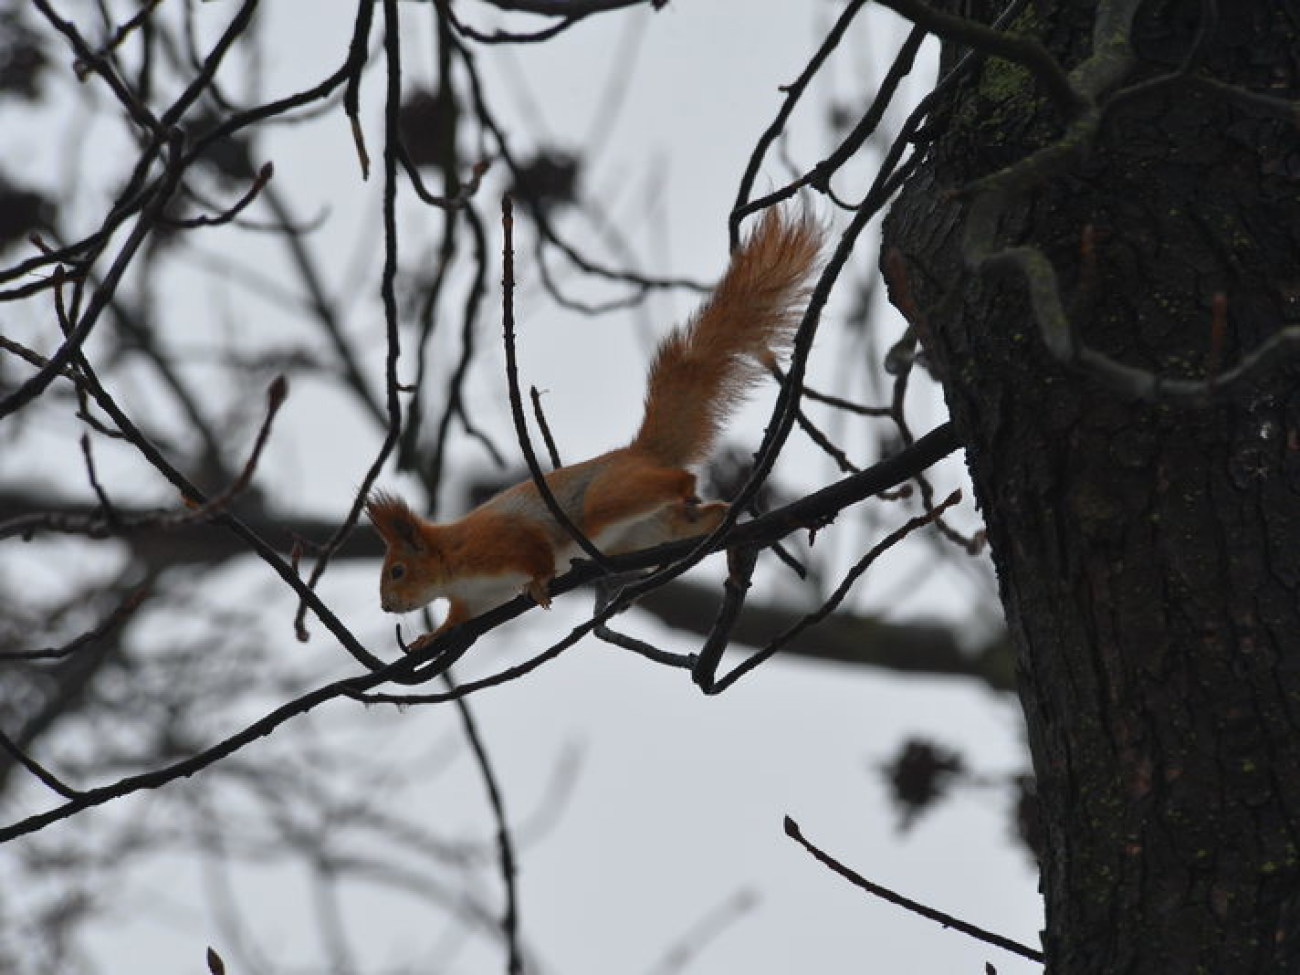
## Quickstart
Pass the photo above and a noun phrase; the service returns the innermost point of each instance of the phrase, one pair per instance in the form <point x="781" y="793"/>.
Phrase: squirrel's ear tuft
<point x="396" y="523"/>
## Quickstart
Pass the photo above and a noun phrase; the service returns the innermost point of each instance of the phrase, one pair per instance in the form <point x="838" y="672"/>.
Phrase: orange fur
<point x="705" y="368"/>
<point x="637" y="496"/>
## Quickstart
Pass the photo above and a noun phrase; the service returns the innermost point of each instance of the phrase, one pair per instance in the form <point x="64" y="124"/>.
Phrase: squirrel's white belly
<point x="481" y="593"/>
<point x="616" y="539"/>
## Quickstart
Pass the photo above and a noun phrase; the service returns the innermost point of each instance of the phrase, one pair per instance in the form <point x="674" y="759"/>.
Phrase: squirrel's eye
<point x="397" y="571"/>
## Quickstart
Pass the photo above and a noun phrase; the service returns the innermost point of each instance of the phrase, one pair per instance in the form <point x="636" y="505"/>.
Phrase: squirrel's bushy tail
<point x="704" y="368"/>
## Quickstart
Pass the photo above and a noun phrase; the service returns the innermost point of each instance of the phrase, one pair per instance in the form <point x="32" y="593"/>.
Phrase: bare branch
<point x="1023" y="51"/>
<point x="505" y="845"/>
<point x="388" y="294"/>
<point x="123" y="612"/>
<point x="706" y="680"/>
<point x="38" y="770"/>
<point x="516" y="403"/>
<point x="230" y="213"/>
<point x="884" y="893"/>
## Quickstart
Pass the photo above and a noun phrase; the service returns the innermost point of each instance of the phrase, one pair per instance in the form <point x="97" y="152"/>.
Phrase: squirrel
<point x="631" y="498"/>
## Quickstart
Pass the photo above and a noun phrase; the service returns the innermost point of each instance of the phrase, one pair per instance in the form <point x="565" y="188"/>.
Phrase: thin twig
<point x="358" y="54"/>
<point x="453" y="202"/>
<point x="740" y="571"/>
<point x="542" y="425"/>
<point x="71" y="346"/>
<point x="884" y="893"/>
<point x="82" y="69"/>
<point x="230" y="213"/>
<point x="388" y="295"/>
<point x="516" y="402"/>
<point x="505" y="846"/>
<point x="51" y="780"/>
<point x="819" y="176"/>
<point x="105" y="505"/>
<point x="709" y="686"/>
<point x="706" y="929"/>
<point x="187" y="489"/>
<point x="793" y="92"/>
<point x="276" y="394"/>
<point x="642" y="649"/>
<point x="112" y="621"/>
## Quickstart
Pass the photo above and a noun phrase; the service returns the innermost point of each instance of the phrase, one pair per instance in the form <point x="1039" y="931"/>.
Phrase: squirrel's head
<point x="411" y="565"/>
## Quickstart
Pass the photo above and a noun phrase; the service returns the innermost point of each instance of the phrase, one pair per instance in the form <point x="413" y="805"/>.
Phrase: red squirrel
<point x="636" y="496"/>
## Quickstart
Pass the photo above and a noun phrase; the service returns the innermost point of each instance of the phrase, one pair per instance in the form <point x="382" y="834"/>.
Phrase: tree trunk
<point x="1148" y="553"/>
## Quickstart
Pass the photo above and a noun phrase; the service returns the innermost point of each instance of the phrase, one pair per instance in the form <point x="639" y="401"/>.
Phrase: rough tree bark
<point x="1148" y="553"/>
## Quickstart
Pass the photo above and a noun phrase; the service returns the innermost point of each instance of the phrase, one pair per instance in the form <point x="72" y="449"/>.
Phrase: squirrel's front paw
<point x="420" y="642"/>
<point x="539" y="590"/>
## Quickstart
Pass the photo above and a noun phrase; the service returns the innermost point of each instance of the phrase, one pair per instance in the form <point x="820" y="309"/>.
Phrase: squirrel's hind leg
<point x="681" y="519"/>
<point x="635" y="494"/>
